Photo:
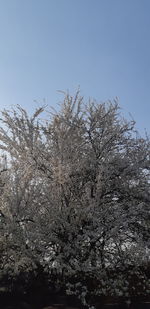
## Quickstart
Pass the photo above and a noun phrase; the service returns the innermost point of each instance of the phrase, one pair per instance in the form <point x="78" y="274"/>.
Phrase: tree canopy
<point x="75" y="197"/>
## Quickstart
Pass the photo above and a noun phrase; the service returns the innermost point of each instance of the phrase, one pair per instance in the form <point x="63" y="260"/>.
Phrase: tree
<point x="78" y="195"/>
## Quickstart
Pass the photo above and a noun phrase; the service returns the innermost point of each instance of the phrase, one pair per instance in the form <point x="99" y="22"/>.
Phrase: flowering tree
<point x="77" y="195"/>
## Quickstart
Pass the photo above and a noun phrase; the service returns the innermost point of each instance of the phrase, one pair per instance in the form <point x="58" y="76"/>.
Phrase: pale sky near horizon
<point x="103" y="46"/>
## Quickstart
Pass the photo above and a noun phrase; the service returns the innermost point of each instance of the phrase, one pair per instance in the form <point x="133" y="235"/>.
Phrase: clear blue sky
<point x="101" y="45"/>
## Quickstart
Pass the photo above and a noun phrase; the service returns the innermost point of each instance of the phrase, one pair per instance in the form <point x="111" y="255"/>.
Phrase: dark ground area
<point x="39" y="300"/>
